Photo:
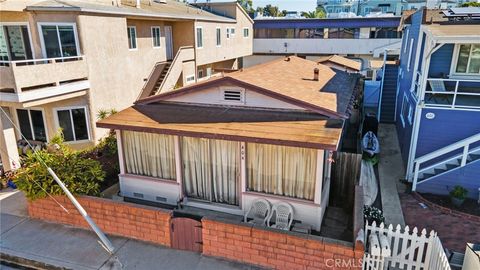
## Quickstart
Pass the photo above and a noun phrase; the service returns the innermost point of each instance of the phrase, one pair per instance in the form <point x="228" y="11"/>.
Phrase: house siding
<point x="404" y="128"/>
<point x="445" y="129"/>
<point x="467" y="177"/>
<point x="441" y="61"/>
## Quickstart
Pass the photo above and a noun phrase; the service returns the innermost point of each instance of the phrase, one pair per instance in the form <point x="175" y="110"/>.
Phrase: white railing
<point x="453" y="98"/>
<point x="184" y="53"/>
<point x="463" y="145"/>
<point x="398" y="248"/>
<point x="41" y="61"/>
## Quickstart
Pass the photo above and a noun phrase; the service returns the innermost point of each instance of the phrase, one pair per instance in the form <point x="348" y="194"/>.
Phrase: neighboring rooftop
<point x="343" y="61"/>
<point x="290" y="79"/>
<point x="450" y="31"/>
<point x="330" y="22"/>
<point x="170" y="9"/>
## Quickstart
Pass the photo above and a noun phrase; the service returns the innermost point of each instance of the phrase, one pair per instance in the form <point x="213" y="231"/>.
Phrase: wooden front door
<point x="186" y="234"/>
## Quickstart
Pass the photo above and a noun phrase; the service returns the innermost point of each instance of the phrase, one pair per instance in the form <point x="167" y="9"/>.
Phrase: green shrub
<point x="81" y="175"/>
<point x="459" y="192"/>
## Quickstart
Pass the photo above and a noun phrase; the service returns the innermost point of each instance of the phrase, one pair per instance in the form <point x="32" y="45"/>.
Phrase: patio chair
<point x="438" y="89"/>
<point x="283" y="216"/>
<point x="260" y="210"/>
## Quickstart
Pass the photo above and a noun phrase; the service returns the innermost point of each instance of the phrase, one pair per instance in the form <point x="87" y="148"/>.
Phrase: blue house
<point x="437" y="110"/>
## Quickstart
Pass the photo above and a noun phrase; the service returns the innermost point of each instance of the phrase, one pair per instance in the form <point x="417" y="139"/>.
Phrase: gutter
<point x="152" y="15"/>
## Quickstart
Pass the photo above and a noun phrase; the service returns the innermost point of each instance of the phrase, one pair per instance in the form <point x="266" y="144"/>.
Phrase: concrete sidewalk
<point x="390" y="170"/>
<point x="58" y="246"/>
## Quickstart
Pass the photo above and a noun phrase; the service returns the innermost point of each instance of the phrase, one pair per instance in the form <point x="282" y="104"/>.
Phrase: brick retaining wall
<point x="145" y="223"/>
<point x="277" y="249"/>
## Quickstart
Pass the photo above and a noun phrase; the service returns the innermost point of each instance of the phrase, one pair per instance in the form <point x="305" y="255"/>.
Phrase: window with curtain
<point x="281" y="170"/>
<point x="211" y="169"/>
<point x="149" y="154"/>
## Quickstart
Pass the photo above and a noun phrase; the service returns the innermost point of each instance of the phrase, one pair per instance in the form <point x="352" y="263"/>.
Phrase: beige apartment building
<point x="63" y="61"/>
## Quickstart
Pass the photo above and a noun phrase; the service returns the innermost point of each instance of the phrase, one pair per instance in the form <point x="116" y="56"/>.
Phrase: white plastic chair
<point x="260" y="209"/>
<point x="283" y="216"/>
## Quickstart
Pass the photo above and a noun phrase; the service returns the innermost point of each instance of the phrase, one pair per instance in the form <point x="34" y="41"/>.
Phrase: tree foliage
<point x="471" y="4"/>
<point x="81" y="175"/>
<point x="319" y="12"/>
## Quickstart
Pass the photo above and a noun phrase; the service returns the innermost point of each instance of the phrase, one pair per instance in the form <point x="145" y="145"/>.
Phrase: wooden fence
<point x="345" y="175"/>
<point x="403" y="249"/>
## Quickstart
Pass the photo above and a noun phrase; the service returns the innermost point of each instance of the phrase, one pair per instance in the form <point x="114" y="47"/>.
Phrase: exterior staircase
<point x="388" y="94"/>
<point x="160" y="79"/>
<point x="445" y="160"/>
<point x="336" y="224"/>
<point x="164" y="75"/>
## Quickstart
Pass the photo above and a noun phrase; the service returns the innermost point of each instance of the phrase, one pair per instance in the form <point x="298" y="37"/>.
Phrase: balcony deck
<point x="37" y="79"/>
<point x="453" y="93"/>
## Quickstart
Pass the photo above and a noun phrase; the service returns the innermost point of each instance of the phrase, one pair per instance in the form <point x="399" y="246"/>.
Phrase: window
<point x="156" y="36"/>
<point x="190" y="78"/>
<point x="228" y="33"/>
<point x="410" y="55"/>
<point x="132" y="37"/>
<point x="211" y="169"/>
<point x="410" y="114"/>
<point x="59" y="40"/>
<point x="219" y="36"/>
<point x="74" y="123"/>
<point x="246" y="32"/>
<point x="200" y="73"/>
<point x="404" y="113"/>
<point x="149" y="154"/>
<point x="232" y="32"/>
<point x="31" y="124"/>
<point x="199" y="37"/>
<point x="468" y="60"/>
<point x="281" y="170"/>
<point x="15" y="43"/>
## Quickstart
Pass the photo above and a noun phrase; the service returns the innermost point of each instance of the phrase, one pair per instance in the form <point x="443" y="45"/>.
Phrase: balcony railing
<point x="453" y="93"/>
<point x="27" y="76"/>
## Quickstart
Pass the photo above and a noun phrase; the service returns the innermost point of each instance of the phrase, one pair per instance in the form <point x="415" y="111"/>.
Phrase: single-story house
<point x="263" y="132"/>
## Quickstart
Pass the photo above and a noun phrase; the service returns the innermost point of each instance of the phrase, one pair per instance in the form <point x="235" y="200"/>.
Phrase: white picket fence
<point x="403" y="249"/>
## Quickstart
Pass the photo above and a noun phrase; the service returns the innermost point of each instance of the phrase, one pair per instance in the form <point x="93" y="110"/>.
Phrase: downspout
<point x="381" y="86"/>
<point x="418" y="113"/>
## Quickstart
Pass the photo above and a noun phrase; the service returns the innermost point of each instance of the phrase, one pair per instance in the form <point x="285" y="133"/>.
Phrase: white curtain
<point x="149" y="154"/>
<point x="282" y="170"/>
<point x="211" y="169"/>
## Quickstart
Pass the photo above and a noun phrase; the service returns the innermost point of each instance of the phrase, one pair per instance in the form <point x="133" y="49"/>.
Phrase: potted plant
<point x="372" y="214"/>
<point x="458" y="195"/>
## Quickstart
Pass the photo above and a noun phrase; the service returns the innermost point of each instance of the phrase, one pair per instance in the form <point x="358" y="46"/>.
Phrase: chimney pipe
<point x="316" y="72"/>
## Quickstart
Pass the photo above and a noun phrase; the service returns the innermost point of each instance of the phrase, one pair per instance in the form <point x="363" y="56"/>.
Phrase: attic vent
<point x="233" y="95"/>
<point x="161" y="199"/>
<point x="138" y="195"/>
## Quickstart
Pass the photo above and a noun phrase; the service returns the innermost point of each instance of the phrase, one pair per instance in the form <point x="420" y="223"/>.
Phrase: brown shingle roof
<point x="289" y="80"/>
<point x="240" y="124"/>
<point x="343" y="61"/>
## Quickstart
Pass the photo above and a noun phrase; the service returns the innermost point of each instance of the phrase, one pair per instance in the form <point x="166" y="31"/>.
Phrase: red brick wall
<point x="278" y="250"/>
<point x="119" y="218"/>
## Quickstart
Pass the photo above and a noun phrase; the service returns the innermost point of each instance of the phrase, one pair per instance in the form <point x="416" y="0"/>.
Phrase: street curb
<point x="28" y="263"/>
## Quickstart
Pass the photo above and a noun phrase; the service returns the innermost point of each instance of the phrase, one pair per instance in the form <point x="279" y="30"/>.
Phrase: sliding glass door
<point x="15" y="43"/>
<point x="211" y="170"/>
<point x="59" y="40"/>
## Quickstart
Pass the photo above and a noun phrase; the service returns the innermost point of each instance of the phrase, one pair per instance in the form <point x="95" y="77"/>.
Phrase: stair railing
<point x="463" y="144"/>
<point x="152" y="79"/>
<point x="178" y="58"/>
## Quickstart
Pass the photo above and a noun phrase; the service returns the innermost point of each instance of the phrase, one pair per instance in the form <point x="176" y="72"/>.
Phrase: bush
<point x="81" y="175"/>
<point x="372" y="214"/>
<point x="459" y="192"/>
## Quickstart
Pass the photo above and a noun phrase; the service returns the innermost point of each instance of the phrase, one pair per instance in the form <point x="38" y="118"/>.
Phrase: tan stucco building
<point x="63" y="61"/>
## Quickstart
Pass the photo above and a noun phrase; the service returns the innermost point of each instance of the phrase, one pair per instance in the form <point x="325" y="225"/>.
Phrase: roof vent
<point x="233" y="95"/>
<point x="316" y="72"/>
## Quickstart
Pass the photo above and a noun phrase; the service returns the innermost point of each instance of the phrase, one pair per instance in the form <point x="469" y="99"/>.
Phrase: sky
<point x="290" y="5"/>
